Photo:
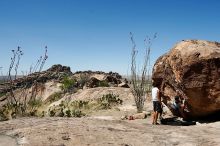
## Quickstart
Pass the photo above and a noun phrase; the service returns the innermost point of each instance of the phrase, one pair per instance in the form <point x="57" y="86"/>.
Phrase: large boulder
<point x="191" y="68"/>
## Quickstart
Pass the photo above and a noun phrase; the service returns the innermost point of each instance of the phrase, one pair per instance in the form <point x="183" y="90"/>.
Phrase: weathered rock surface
<point x="93" y="79"/>
<point x="104" y="130"/>
<point x="193" y="68"/>
<point x="47" y="85"/>
<point x="56" y="72"/>
<point x="95" y="93"/>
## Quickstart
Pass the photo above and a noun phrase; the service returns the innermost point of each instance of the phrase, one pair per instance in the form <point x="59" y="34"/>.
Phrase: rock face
<point x="192" y="68"/>
<point x="59" y="68"/>
<point x="56" y="72"/>
<point x="94" y="79"/>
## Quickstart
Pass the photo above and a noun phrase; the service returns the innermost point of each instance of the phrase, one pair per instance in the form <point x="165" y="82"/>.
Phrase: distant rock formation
<point x="56" y="72"/>
<point x="90" y="78"/>
<point x="101" y="79"/>
<point x="191" y="68"/>
<point x="59" y="68"/>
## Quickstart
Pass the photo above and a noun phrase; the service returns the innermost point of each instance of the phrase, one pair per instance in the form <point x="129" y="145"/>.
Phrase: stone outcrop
<point x="91" y="79"/>
<point x="56" y="72"/>
<point x="192" y="70"/>
<point x="100" y="79"/>
<point x="124" y="85"/>
<point x="92" y="82"/>
<point x="59" y="68"/>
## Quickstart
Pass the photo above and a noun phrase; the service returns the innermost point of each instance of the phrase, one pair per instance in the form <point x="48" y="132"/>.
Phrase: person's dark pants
<point x="157" y="106"/>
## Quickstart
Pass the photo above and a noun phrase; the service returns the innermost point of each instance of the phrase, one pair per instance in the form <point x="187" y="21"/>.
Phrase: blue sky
<point x="94" y="34"/>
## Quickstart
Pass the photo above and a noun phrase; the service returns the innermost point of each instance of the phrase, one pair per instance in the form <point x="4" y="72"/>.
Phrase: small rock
<point x="66" y="137"/>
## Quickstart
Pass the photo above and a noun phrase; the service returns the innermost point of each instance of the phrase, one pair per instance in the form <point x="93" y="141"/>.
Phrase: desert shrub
<point x="2" y="94"/>
<point x="79" y="108"/>
<point x="52" y="113"/>
<point x="57" y="111"/>
<point x="12" y="110"/>
<point x="74" y="113"/>
<point x="42" y="114"/>
<point x="33" y="105"/>
<point x="103" y="84"/>
<point x="64" y="104"/>
<point x="54" y="97"/>
<point x="109" y="100"/>
<point x="68" y="109"/>
<point x="79" y="104"/>
<point x="84" y="78"/>
<point x="68" y="113"/>
<point x="19" y="104"/>
<point x="68" y="84"/>
<point x="77" y="113"/>
<point x="8" y="111"/>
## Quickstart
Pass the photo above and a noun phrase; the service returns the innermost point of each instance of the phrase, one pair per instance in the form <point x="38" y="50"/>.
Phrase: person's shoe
<point x="186" y="110"/>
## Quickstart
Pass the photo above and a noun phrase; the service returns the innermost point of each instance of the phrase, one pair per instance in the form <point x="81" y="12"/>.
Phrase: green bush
<point x="79" y="108"/>
<point x="103" y="84"/>
<point x="8" y="111"/>
<point x="68" y="84"/>
<point x="68" y="113"/>
<point x="2" y="94"/>
<point x="68" y="109"/>
<point x="79" y="104"/>
<point x="56" y="111"/>
<point x="77" y="113"/>
<point x="52" y="113"/>
<point x="33" y="105"/>
<point x="54" y="97"/>
<point x="12" y="110"/>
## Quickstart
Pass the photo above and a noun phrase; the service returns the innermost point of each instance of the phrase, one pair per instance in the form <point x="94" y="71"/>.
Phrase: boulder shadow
<point x="175" y="121"/>
<point x="215" y="117"/>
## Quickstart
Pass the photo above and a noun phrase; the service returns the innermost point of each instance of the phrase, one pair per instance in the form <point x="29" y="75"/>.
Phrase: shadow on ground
<point x="175" y="121"/>
<point x="211" y="118"/>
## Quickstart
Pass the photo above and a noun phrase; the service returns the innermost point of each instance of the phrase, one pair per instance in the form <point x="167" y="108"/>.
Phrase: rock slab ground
<point x="105" y="132"/>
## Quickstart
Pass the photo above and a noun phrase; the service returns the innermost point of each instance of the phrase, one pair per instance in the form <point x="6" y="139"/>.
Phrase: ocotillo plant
<point x="15" y="59"/>
<point x="35" y="86"/>
<point x="139" y="80"/>
<point x="40" y="62"/>
<point x="44" y="59"/>
<point x="19" y="53"/>
<point x="19" y="102"/>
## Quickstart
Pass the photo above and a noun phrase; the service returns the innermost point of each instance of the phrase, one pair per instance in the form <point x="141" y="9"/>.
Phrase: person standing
<point x="156" y="102"/>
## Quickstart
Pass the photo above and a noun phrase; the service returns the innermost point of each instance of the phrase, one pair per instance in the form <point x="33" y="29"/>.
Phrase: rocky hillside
<point x="39" y="91"/>
<point x="58" y="72"/>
